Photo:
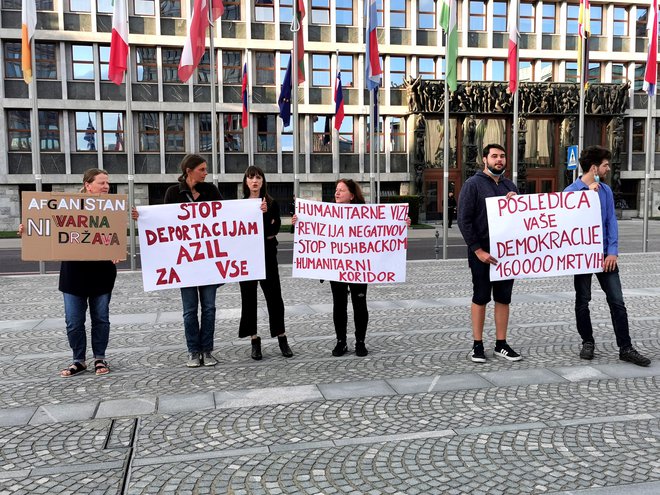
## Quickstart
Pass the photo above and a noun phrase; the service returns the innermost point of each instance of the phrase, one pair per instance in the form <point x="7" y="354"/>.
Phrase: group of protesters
<point x="90" y="283"/>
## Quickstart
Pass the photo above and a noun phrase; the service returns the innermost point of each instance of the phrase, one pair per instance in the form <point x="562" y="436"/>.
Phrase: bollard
<point x="437" y="244"/>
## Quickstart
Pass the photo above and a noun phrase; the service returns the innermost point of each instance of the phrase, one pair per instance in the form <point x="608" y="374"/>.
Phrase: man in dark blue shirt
<point x="595" y="164"/>
<point x="473" y="222"/>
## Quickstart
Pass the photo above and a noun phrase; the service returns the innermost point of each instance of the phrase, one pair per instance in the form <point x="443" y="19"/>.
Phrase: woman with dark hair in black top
<point x="254" y="186"/>
<point x="199" y="338"/>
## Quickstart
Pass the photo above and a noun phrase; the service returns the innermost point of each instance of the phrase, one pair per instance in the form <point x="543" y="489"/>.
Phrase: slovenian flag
<point x="28" y="26"/>
<point x="339" y="102"/>
<point x="119" y="43"/>
<point x="651" y="74"/>
<point x="373" y="70"/>
<point x="244" y="93"/>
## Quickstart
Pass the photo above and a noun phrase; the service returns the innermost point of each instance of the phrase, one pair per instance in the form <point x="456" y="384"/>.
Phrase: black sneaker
<point x="507" y="353"/>
<point x="632" y="356"/>
<point x="587" y="351"/>
<point x="478" y="355"/>
<point x="340" y="349"/>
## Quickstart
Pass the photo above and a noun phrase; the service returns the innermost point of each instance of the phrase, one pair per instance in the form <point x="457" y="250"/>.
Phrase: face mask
<point x="496" y="173"/>
<point x="597" y="178"/>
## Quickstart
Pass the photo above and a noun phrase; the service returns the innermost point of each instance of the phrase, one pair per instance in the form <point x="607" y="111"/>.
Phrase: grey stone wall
<point x="10" y="210"/>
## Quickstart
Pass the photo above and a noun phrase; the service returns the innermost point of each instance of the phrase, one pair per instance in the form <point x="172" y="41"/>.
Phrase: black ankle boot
<point x="340" y="349"/>
<point x="284" y="346"/>
<point x="360" y="348"/>
<point x="256" y="349"/>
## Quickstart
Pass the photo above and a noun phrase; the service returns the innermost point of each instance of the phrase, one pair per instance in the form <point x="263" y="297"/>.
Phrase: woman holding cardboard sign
<point x="87" y="283"/>
<point x="254" y="186"/>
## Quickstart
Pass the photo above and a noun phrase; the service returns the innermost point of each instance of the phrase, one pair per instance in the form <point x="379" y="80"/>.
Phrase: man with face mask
<point x="595" y="164"/>
<point x="473" y="222"/>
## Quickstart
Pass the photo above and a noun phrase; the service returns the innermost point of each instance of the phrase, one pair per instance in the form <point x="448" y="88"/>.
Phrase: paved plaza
<point x="415" y="416"/>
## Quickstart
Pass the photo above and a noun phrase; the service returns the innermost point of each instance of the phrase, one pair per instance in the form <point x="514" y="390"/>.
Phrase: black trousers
<point x="358" y="292"/>
<point x="273" y="294"/>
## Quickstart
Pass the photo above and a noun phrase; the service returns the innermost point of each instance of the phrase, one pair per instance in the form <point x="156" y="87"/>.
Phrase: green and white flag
<point x="448" y="24"/>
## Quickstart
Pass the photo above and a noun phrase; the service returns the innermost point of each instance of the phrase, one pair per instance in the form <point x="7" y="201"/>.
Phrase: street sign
<point x="571" y="157"/>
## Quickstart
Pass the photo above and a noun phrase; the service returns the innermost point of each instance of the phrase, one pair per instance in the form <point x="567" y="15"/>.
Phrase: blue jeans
<point x="199" y="339"/>
<point x="611" y="285"/>
<point x="75" y="311"/>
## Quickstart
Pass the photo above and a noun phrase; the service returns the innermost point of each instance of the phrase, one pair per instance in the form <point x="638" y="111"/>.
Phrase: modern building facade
<point x="82" y="114"/>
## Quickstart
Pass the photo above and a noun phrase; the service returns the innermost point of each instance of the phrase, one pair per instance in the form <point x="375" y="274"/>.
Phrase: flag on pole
<point x="217" y="9"/>
<point x="372" y="59"/>
<point x="651" y="72"/>
<point x="195" y="44"/>
<point x="28" y="26"/>
<point x="284" y="101"/>
<point x="301" y="42"/>
<point x="90" y="135"/>
<point x="244" y="93"/>
<point x="513" y="46"/>
<point x="448" y="24"/>
<point x="339" y="102"/>
<point x="118" y="43"/>
<point x="584" y="31"/>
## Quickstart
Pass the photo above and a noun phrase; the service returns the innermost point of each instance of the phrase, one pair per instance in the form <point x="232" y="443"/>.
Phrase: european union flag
<point x="284" y="101"/>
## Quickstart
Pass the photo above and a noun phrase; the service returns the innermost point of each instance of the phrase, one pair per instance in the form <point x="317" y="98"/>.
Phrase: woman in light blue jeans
<point x="199" y="331"/>
<point x="83" y="284"/>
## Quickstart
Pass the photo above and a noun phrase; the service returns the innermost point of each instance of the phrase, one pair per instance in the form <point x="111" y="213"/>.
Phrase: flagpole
<point x="214" y="124"/>
<point x="36" y="138"/>
<point x="377" y="131"/>
<point x="583" y="73"/>
<point x="514" y="154"/>
<point x="128" y="146"/>
<point x="650" y="156"/>
<point x="372" y="185"/>
<point x="445" y="164"/>
<point x="294" y="101"/>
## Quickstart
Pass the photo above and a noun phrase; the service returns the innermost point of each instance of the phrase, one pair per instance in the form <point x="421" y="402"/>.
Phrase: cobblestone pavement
<point x="415" y="416"/>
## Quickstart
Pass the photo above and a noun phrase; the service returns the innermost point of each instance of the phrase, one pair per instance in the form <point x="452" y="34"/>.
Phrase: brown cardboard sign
<point x="71" y="226"/>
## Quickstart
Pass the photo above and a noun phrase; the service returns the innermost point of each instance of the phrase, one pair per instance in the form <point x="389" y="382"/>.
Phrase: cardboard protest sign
<point x="75" y="226"/>
<point x="350" y="243"/>
<point x="191" y="244"/>
<point x="545" y="235"/>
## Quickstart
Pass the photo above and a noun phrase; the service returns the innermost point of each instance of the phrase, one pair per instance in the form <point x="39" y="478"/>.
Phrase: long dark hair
<point x="190" y="162"/>
<point x="354" y="189"/>
<point x="252" y="171"/>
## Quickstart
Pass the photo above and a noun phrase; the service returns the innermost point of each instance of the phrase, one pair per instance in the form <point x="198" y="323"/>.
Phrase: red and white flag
<point x="195" y="44"/>
<point x="513" y="46"/>
<point x="119" y="43"/>
<point x="651" y="72"/>
<point x="28" y="25"/>
<point x="217" y="8"/>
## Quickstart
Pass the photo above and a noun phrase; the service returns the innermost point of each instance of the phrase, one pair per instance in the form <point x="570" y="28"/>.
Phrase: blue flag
<point x="284" y="101"/>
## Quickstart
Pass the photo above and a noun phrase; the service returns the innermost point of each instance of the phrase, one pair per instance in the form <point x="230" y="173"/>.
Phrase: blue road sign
<point x="571" y="157"/>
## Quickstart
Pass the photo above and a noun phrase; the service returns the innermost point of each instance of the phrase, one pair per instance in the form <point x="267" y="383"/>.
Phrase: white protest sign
<point x="545" y="235"/>
<point x="363" y="244"/>
<point x="191" y="244"/>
